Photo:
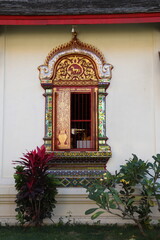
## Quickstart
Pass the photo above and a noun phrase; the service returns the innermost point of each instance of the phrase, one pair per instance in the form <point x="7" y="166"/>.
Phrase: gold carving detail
<point x="62" y="139"/>
<point x="75" y="70"/>
<point x="63" y="119"/>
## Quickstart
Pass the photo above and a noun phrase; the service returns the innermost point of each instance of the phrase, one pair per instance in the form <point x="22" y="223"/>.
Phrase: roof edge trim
<point x="80" y="19"/>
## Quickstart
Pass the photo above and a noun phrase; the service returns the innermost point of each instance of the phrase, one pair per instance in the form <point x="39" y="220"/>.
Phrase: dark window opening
<point x="80" y="120"/>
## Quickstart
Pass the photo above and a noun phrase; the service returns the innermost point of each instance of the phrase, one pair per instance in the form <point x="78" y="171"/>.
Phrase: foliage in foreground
<point x="77" y="232"/>
<point x="117" y="193"/>
<point x="36" y="188"/>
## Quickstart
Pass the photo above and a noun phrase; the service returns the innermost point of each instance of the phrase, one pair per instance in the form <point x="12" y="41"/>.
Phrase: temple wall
<point x="133" y="101"/>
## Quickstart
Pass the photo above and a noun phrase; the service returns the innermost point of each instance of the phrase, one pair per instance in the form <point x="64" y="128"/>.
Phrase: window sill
<point x="80" y="154"/>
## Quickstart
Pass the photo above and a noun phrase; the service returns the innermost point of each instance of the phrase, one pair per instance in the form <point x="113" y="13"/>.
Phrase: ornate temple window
<point x="75" y="77"/>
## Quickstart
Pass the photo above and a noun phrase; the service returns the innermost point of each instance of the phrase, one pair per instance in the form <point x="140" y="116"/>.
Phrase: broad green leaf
<point x="130" y="201"/>
<point x="117" y="198"/>
<point x="97" y="214"/>
<point x="158" y="156"/>
<point x="91" y="210"/>
<point x="113" y="190"/>
<point x="103" y="202"/>
<point x="106" y="196"/>
<point x="112" y="204"/>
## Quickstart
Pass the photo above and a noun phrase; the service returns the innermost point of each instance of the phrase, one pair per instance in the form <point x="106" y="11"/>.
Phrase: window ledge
<point x="79" y="154"/>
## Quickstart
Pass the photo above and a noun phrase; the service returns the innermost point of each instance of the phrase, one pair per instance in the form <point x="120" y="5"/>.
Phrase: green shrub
<point x="118" y="191"/>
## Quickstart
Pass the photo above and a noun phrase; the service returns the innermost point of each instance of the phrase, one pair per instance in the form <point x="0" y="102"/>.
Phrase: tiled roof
<point x="77" y="7"/>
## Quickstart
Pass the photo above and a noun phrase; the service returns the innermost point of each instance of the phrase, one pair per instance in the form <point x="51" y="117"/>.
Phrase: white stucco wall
<point x="133" y="102"/>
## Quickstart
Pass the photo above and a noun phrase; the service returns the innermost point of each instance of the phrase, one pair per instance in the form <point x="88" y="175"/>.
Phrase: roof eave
<point x="80" y="19"/>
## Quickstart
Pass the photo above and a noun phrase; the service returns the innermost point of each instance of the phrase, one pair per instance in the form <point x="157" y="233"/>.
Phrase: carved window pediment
<point x="78" y="49"/>
<point x="75" y="69"/>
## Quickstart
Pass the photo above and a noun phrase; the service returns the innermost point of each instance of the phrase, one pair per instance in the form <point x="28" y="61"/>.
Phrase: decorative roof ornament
<point x="73" y="29"/>
<point x="74" y="47"/>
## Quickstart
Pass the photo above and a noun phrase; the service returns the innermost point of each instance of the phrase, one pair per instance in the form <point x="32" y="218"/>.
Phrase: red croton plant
<point x="35" y="186"/>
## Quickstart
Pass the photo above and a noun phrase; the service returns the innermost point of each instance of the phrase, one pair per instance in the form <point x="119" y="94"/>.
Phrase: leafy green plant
<point x="35" y="186"/>
<point x="117" y="192"/>
<point x="155" y="178"/>
<point x="151" y="184"/>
